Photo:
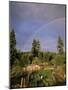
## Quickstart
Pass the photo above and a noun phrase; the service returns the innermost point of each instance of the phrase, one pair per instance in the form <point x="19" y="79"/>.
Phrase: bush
<point x="24" y="61"/>
<point x="36" y="60"/>
<point x="58" y="60"/>
<point x="48" y="56"/>
<point x="36" y="79"/>
<point x="41" y="78"/>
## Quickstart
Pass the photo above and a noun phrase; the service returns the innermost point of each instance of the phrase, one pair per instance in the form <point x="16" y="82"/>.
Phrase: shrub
<point x="58" y="60"/>
<point x="36" y="60"/>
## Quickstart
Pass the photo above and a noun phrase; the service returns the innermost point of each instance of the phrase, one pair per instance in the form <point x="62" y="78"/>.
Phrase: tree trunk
<point x="24" y="83"/>
<point x="21" y="82"/>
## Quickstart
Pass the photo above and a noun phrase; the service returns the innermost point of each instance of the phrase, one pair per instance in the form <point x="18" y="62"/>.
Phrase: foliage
<point x="35" y="48"/>
<point x="46" y="56"/>
<point x="47" y="78"/>
<point x="35" y="79"/>
<point x="12" y="47"/>
<point x="16" y="71"/>
<point x="42" y="78"/>
<point x="30" y="58"/>
<point x="24" y="60"/>
<point x="36" y="60"/>
<point x="58" y="60"/>
<point x="60" y="45"/>
<point x="41" y="55"/>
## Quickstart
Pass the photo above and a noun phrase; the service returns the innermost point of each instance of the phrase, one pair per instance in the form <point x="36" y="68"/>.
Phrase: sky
<point x="44" y="22"/>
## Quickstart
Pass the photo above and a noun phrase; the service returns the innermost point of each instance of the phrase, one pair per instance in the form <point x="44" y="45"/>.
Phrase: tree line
<point x="35" y="50"/>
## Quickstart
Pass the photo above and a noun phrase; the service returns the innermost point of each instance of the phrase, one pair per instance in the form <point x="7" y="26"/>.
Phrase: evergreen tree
<point x="60" y="46"/>
<point x="12" y="47"/>
<point x="35" y="47"/>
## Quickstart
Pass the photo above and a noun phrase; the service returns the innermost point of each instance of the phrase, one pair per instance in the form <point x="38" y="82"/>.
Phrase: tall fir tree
<point x="35" y="48"/>
<point x="60" y="45"/>
<point x="12" y="47"/>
